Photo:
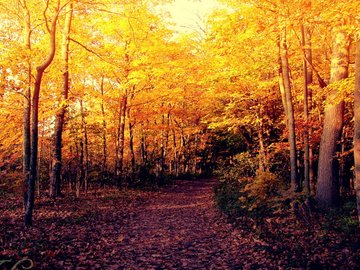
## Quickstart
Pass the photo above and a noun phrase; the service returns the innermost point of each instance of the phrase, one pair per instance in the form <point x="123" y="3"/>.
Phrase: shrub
<point x="342" y="219"/>
<point x="279" y="164"/>
<point x="227" y="194"/>
<point x="243" y="190"/>
<point x="246" y="164"/>
<point x="240" y="166"/>
<point x="262" y="191"/>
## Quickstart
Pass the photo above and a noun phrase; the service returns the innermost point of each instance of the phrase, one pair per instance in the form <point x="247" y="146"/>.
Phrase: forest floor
<point x="176" y="227"/>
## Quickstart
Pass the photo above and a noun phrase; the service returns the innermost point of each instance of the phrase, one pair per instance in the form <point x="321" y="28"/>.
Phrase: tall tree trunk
<point x="117" y="142"/>
<point x="175" y="164"/>
<point x="131" y="146"/>
<point x="55" y="178"/>
<point x="290" y="111"/>
<point x="176" y="159"/>
<point x="41" y="154"/>
<point x="167" y="141"/>
<point x="27" y="101"/>
<point x="35" y="120"/>
<point x="80" y="168"/>
<point x="143" y="148"/>
<point x="181" y="156"/>
<point x="306" y="115"/>
<point x="162" y="146"/>
<point x="357" y="127"/>
<point x="119" y="172"/>
<point x="104" y="125"/>
<point x="311" y="152"/>
<point x="262" y="152"/>
<point x="328" y="182"/>
<point x="195" y="160"/>
<point x="344" y="182"/>
<point x="86" y="148"/>
<point x="309" y="79"/>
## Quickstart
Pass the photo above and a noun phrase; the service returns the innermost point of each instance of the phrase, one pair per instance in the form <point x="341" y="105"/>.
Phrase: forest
<point x="127" y="144"/>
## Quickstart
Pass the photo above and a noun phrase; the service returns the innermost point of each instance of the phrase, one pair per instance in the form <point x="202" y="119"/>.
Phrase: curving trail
<point x="180" y="228"/>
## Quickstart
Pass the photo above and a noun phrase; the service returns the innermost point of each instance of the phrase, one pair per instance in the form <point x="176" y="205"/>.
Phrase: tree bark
<point x="176" y="159"/>
<point x="328" y="194"/>
<point x="55" y="178"/>
<point x="162" y="146"/>
<point x="80" y="169"/>
<point x="357" y="127"/>
<point x="290" y="111"/>
<point x="119" y="171"/>
<point x="181" y="156"/>
<point x="131" y="146"/>
<point x="104" y="125"/>
<point x="35" y="120"/>
<point x="306" y="80"/>
<point x="263" y="166"/>
<point x="27" y="101"/>
<point x="86" y="148"/>
<point x="309" y="79"/>
<point x="143" y="148"/>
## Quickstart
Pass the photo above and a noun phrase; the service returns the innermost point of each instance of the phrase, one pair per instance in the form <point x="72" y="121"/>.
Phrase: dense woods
<point x="104" y="95"/>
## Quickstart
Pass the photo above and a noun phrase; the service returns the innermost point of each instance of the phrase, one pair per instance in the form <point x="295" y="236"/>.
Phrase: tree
<point x="60" y="115"/>
<point x="40" y="69"/>
<point x="289" y="110"/>
<point x="328" y="182"/>
<point x="27" y="98"/>
<point x="306" y="44"/>
<point x="357" y="126"/>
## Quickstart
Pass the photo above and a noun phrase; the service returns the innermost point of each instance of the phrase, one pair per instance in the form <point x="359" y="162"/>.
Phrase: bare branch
<point x="93" y="52"/>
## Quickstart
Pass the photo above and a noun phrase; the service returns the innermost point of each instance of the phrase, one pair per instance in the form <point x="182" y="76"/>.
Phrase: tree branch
<point x="93" y="52"/>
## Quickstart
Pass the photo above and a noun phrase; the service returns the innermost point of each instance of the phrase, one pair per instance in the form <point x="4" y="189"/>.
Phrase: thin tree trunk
<point x="86" y="149"/>
<point x="196" y="142"/>
<point x="262" y="152"/>
<point x="35" y="121"/>
<point x="309" y="79"/>
<point x="27" y="102"/>
<point x="55" y="178"/>
<point x="104" y="125"/>
<point x="143" y="149"/>
<point x="328" y="182"/>
<point x="175" y="154"/>
<point x="281" y="83"/>
<point x="41" y="150"/>
<point x="311" y="152"/>
<point x="308" y="59"/>
<point x="290" y="112"/>
<point x="162" y="146"/>
<point x="80" y="172"/>
<point x="306" y="118"/>
<point x="176" y="159"/>
<point x="131" y="146"/>
<point x="167" y="140"/>
<point x="343" y="180"/>
<point x="121" y="140"/>
<point x="117" y="118"/>
<point x="181" y="156"/>
<point x="357" y="127"/>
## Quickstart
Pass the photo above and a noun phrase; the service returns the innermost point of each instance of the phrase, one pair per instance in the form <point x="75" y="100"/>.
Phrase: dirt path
<point x="177" y="227"/>
<point x="180" y="228"/>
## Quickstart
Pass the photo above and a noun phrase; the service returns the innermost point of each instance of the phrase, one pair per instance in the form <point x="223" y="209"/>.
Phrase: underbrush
<point x="287" y="227"/>
<point x="245" y="190"/>
<point x="10" y="183"/>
